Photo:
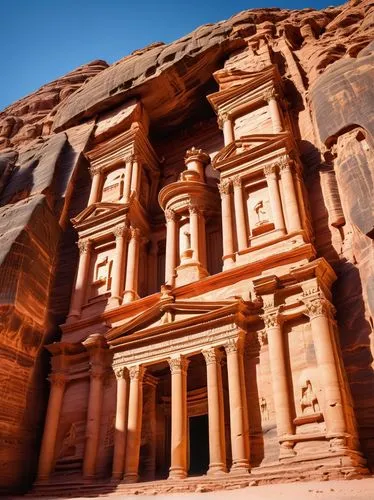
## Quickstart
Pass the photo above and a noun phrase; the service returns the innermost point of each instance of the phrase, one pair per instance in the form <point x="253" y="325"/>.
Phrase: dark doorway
<point x="199" y="445"/>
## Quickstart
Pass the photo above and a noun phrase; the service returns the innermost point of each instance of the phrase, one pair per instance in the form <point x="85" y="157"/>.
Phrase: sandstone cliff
<point x="326" y="61"/>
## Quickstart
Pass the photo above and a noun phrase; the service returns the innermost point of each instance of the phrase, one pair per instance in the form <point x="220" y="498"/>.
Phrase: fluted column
<point x="119" y="264"/>
<point x="52" y="420"/>
<point x="128" y="175"/>
<point x="178" y="465"/>
<point x="227" y="221"/>
<point x="217" y="451"/>
<point x="274" y="197"/>
<point x="194" y="228"/>
<point x="134" y="424"/>
<point x="289" y="194"/>
<point x="97" y="348"/>
<point x="279" y="380"/>
<point x="97" y="178"/>
<point x="241" y="225"/>
<point x="171" y="246"/>
<point x="79" y="292"/>
<point x="120" y="423"/>
<point x="319" y="311"/>
<point x="238" y="416"/>
<point x="270" y="97"/>
<point x="132" y="268"/>
<point x="227" y="128"/>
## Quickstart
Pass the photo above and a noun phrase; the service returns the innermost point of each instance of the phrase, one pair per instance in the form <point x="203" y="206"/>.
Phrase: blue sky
<point x="42" y="40"/>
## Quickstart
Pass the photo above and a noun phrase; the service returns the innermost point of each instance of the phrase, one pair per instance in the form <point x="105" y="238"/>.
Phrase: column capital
<point x="224" y="187"/>
<point x="121" y="230"/>
<point x="135" y="233"/>
<point x="212" y="355"/>
<point x="318" y="306"/>
<point x="170" y="215"/>
<point x="270" y="95"/>
<point x="270" y="169"/>
<point x="223" y="117"/>
<point x="84" y="245"/>
<point x="178" y="364"/>
<point x="121" y="373"/>
<point x="233" y="345"/>
<point x="136" y="372"/>
<point x="194" y="209"/>
<point x="58" y="379"/>
<point x="284" y="163"/>
<point x="131" y="158"/>
<point x="272" y="318"/>
<point x="237" y="181"/>
<point x="94" y="170"/>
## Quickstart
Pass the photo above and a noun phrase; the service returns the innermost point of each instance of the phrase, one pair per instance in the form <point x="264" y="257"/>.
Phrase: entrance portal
<point x="199" y="445"/>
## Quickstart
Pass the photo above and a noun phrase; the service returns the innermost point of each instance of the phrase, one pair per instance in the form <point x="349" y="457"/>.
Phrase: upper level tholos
<point x="251" y="206"/>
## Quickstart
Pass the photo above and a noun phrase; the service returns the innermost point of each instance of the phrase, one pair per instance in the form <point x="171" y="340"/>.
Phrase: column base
<point x="190" y="272"/>
<point x="72" y="318"/>
<point x="286" y="450"/>
<point x="114" y="301"/>
<point x="130" y="296"/>
<point x="228" y="261"/>
<point x="130" y="478"/>
<point x="217" y="469"/>
<point x="117" y="476"/>
<point x="240" y="467"/>
<point x="177" y="473"/>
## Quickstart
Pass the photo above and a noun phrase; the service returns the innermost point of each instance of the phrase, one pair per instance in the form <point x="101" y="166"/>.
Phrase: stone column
<point x="227" y="221"/>
<point x="79" y="292"/>
<point x="152" y="266"/>
<point x="136" y="174"/>
<point x="150" y="417"/>
<point x="120" y="423"/>
<point x="279" y="381"/>
<point x="47" y="451"/>
<point x="319" y="311"/>
<point x="289" y="194"/>
<point x="241" y="225"/>
<point x="238" y="416"/>
<point x="134" y="424"/>
<point x="227" y="127"/>
<point x="97" y="178"/>
<point x="202" y="240"/>
<point x="98" y="349"/>
<point x="119" y="264"/>
<point x="270" y="97"/>
<point x="196" y="160"/>
<point x="171" y="246"/>
<point x="195" y="217"/>
<point x="178" y="466"/>
<point x="217" y="452"/>
<point x="128" y="176"/>
<point x="132" y="268"/>
<point x="274" y="198"/>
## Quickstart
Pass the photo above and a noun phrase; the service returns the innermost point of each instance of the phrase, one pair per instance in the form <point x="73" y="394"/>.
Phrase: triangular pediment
<point x="98" y="212"/>
<point x="173" y="315"/>
<point x="249" y="146"/>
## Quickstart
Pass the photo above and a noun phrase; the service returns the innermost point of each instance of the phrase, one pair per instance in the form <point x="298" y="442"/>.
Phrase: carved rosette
<point x="270" y="95"/>
<point x="319" y="307"/>
<point x="212" y="356"/>
<point x="170" y="215"/>
<point x="84" y="246"/>
<point x="224" y="187"/>
<point x="57" y="379"/>
<point x="136" y="372"/>
<point x="178" y="365"/>
<point x="270" y="169"/>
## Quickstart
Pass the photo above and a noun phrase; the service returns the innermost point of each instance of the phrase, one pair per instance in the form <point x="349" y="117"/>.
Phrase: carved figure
<point x="308" y="401"/>
<point x="68" y="447"/>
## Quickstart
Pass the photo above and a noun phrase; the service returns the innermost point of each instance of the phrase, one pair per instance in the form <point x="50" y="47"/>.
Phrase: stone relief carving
<point x="309" y="402"/>
<point x="68" y="446"/>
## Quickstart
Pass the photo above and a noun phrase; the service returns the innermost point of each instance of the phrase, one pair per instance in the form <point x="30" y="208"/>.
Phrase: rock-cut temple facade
<point x="185" y="253"/>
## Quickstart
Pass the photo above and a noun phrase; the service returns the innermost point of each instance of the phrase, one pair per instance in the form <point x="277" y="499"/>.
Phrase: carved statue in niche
<point x="264" y="408"/>
<point x="68" y="447"/>
<point x="262" y="213"/>
<point x="309" y="403"/>
<point x="114" y="186"/>
<point x="102" y="275"/>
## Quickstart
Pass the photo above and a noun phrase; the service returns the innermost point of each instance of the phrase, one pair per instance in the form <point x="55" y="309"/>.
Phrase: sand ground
<point x="362" y="489"/>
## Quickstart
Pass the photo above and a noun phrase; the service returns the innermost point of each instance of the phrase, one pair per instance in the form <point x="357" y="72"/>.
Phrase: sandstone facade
<point x="189" y="236"/>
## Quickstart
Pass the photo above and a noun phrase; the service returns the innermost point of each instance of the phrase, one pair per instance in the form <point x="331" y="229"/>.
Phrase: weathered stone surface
<point x="195" y="240"/>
